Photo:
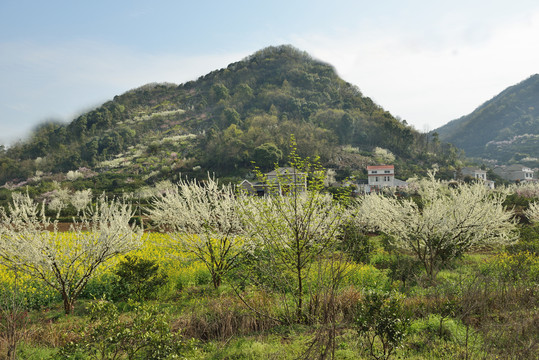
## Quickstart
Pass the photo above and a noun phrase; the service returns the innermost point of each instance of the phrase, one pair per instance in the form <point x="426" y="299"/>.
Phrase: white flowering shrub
<point x="294" y="231"/>
<point x="449" y="221"/>
<point x="31" y="243"/>
<point x="383" y="156"/>
<point x="528" y="190"/>
<point x="73" y="175"/>
<point x="60" y="198"/>
<point x="177" y="139"/>
<point x="80" y="199"/>
<point x="204" y="222"/>
<point x="532" y="213"/>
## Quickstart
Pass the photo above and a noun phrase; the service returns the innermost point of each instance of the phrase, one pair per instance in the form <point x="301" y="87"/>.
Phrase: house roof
<point x="380" y="167"/>
<point x="517" y="167"/>
<point x="474" y="169"/>
<point x="284" y="171"/>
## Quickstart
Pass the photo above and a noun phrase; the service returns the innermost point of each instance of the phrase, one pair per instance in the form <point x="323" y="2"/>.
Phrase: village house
<point x="280" y="181"/>
<point x="474" y="173"/>
<point x="515" y="172"/>
<point x="380" y="176"/>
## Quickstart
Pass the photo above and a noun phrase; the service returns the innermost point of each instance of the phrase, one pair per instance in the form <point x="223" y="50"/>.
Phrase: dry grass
<point x="226" y="316"/>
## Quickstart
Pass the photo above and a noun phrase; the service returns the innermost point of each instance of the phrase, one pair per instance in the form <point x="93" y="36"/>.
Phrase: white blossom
<point x="80" y="199"/>
<point x="444" y="223"/>
<point x="30" y="242"/>
<point x="204" y="221"/>
<point x="383" y="156"/>
<point x="73" y="175"/>
<point x="60" y="199"/>
<point x="532" y="213"/>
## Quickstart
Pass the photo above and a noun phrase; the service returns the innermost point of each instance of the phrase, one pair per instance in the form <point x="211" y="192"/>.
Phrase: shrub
<point x="521" y="267"/>
<point x="528" y="241"/>
<point x="381" y="320"/>
<point x="144" y="335"/>
<point x="400" y="267"/>
<point x="104" y="286"/>
<point x="358" y="245"/>
<point x="139" y="278"/>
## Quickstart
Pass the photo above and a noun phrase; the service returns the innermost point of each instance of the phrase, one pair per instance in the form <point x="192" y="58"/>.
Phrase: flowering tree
<point x="294" y="229"/>
<point x="31" y="243"/>
<point x="60" y="199"/>
<point x="448" y="221"/>
<point x="527" y="189"/>
<point x="80" y="199"/>
<point x="533" y="212"/>
<point x="205" y="223"/>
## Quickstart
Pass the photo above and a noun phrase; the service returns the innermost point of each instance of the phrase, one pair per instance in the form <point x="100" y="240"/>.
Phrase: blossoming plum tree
<point x="204" y="221"/>
<point x="295" y="231"/>
<point x="446" y="222"/>
<point x="80" y="199"/>
<point x="31" y="243"/>
<point x="532" y="213"/>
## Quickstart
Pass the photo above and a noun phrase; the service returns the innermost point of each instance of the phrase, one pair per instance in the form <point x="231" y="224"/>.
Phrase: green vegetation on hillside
<point x="505" y="128"/>
<point x="224" y="121"/>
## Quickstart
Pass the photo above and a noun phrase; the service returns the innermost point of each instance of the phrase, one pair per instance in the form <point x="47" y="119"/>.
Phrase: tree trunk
<point x="299" y="310"/>
<point x="216" y="280"/>
<point x="69" y="304"/>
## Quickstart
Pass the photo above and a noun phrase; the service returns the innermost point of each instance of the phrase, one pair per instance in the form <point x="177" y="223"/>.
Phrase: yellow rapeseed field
<point x="159" y="247"/>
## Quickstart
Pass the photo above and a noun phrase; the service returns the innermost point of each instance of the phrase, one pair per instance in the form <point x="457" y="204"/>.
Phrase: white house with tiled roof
<point x="514" y="172"/>
<point x="475" y="173"/>
<point x="381" y="175"/>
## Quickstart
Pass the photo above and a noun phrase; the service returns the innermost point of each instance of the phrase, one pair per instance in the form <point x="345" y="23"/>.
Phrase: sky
<point x="425" y="61"/>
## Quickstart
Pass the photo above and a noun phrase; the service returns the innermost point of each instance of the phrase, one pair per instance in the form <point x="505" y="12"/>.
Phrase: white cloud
<point x="430" y="79"/>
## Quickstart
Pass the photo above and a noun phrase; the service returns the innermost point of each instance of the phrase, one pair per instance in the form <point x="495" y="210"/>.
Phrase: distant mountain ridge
<point x="223" y="122"/>
<point x="504" y="129"/>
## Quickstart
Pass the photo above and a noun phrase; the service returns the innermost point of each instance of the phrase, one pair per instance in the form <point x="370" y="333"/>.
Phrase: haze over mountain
<point x="224" y="121"/>
<point x="504" y="129"/>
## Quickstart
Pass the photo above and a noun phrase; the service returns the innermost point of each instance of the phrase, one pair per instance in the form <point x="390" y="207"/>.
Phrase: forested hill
<point x="224" y="121"/>
<point x="505" y="128"/>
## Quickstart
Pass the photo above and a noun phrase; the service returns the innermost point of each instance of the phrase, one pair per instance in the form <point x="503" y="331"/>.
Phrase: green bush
<point x="400" y="267"/>
<point x="202" y="277"/>
<point x="357" y="244"/>
<point x="138" y="278"/>
<point x="513" y="269"/>
<point x="528" y="241"/>
<point x="143" y="335"/>
<point x="101" y="287"/>
<point x="382" y="323"/>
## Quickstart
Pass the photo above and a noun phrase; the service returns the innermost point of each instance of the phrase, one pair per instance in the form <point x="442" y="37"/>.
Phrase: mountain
<point x="504" y="129"/>
<point x="222" y="122"/>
